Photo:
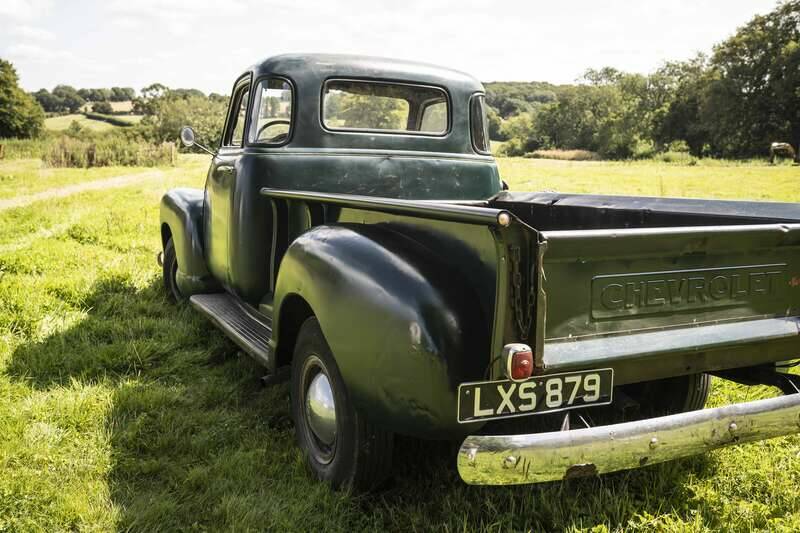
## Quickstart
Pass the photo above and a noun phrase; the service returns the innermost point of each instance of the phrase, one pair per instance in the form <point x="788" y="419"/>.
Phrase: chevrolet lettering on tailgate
<point x="679" y="290"/>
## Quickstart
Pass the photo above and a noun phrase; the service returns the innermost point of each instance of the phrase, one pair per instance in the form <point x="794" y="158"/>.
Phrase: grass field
<point x="119" y="411"/>
<point x="63" y="122"/>
<point x="20" y="177"/>
<point x="708" y="179"/>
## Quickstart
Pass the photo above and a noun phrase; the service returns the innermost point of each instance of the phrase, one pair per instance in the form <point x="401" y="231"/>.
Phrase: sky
<point x="205" y="44"/>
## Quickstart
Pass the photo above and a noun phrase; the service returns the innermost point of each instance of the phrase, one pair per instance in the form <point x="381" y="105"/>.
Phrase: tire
<point x="359" y="455"/>
<point x="170" y="271"/>
<point x="671" y="395"/>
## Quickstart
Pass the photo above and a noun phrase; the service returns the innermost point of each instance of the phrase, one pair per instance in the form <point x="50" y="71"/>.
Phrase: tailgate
<point x="615" y="295"/>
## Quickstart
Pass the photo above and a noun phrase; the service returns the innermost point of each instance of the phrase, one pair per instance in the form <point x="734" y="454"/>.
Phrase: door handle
<point x="223" y="172"/>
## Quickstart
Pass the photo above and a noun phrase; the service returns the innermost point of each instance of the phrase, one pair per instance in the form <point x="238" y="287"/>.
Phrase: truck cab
<point x="344" y="125"/>
<point x="355" y="237"/>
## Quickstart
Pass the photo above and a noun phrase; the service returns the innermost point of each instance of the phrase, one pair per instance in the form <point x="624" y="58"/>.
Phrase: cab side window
<point x="235" y="133"/>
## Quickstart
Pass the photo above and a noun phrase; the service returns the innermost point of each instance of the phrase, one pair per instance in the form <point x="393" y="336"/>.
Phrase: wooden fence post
<point x="2" y="151"/>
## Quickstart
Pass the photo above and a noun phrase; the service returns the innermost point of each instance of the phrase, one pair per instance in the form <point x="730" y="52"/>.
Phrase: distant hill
<point x="510" y="98"/>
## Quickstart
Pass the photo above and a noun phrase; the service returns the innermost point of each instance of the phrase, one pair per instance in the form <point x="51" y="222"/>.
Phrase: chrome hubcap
<point x="321" y="409"/>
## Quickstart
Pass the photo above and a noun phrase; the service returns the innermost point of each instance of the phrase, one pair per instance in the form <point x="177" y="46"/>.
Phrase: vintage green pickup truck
<point x="354" y="235"/>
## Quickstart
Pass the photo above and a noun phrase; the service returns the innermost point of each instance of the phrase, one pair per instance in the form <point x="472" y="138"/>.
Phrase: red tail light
<point x="519" y="361"/>
<point x="521" y="365"/>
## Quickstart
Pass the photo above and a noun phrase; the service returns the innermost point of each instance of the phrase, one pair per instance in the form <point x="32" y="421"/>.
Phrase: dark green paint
<point x="393" y="242"/>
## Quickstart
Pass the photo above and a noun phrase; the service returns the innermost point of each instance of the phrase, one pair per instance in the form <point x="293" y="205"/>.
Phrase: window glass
<point x="273" y="120"/>
<point x="434" y="117"/>
<point x="388" y="107"/>
<point x="479" y="124"/>
<point x="237" y="130"/>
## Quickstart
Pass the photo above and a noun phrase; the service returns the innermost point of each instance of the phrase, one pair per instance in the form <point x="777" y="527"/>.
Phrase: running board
<point x="240" y="325"/>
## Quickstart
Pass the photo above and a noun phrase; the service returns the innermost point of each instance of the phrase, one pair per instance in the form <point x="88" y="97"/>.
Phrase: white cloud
<point x="177" y="17"/>
<point x="127" y="23"/>
<point x="177" y="9"/>
<point x="209" y="42"/>
<point x="56" y="59"/>
<point x="32" y="33"/>
<point x="35" y="53"/>
<point x="24" y="9"/>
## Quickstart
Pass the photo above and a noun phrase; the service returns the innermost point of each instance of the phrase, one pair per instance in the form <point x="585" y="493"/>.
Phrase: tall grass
<point x="111" y="151"/>
<point x="564" y="155"/>
<point x="23" y="148"/>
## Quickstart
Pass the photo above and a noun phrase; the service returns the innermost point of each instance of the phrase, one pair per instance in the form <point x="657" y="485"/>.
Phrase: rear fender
<point x="182" y="219"/>
<point x="405" y="330"/>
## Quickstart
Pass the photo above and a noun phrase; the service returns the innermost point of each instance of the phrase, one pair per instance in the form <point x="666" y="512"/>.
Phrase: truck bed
<point x="548" y="211"/>
<point x="656" y="287"/>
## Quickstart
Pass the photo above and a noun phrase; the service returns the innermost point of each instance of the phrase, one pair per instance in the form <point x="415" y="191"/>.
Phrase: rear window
<point x="384" y="107"/>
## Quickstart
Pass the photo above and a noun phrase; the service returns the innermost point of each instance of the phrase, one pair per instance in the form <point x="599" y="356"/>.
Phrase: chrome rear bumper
<point x="538" y="457"/>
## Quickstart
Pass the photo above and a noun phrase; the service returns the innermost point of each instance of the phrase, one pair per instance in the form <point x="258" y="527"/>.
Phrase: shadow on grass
<point x="197" y="443"/>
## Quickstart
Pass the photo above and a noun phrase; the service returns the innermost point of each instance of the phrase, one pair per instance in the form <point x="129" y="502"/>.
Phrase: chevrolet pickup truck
<point x="355" y="237"/>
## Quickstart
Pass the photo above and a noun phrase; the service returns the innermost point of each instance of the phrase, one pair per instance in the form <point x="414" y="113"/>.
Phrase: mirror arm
<point x="206" y="150"/>
<point x="188" y="139"/>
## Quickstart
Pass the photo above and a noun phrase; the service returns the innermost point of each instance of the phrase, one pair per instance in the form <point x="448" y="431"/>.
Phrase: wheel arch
<point x="404" y="329"/>
<point x="294" y="311"/>
<point x="181" y="217"/>
<point x="166" y="234"/>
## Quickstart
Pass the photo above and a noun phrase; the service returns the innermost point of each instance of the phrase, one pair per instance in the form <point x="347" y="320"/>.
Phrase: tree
<point x="679" y="117"/>
<point x="521" y="135"/>
<point x="95" y="95"/>
<point x="48" y="101"/>
<point x="605" y="118"/>
<point x="20" y="113"/>
<point x="495" y="125"/>
<point x="169" y="114"/>
<point x="122" y="94"/>
<point x="514" y="98"/>
<point x="145" y="105"/>
<point x="186" y="93"/>
<point x="753" y="96"/>
<point x="366" y="111"/>
<point x="102" y="107"/>
<point x="70" y="99"/>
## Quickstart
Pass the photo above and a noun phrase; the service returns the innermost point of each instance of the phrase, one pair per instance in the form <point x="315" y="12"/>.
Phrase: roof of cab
<point x="325" y="66"/>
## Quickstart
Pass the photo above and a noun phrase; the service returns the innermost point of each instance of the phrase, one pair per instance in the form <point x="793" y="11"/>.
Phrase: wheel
<point x="340" y="445"/>
<point x="671" y="395"/>
<point x="170" y="271"/>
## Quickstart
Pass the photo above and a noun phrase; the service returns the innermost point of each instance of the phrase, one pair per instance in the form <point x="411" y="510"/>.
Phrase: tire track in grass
<point x="69" y="190"/>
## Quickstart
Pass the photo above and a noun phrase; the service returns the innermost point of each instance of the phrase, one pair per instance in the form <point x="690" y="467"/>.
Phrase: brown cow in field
<point x="782" y="150"/>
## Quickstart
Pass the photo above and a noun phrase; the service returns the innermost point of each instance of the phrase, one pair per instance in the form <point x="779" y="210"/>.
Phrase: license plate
<point x="540" y="394"/>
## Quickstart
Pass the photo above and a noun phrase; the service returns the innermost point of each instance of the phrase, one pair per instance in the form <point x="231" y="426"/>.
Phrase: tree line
<point x="730" y="103"/>
<point x="67" y="99"/>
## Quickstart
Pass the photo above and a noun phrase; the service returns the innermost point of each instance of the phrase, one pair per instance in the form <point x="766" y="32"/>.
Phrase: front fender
<point x="405" y="329"/>
<point x="182" y="214"/>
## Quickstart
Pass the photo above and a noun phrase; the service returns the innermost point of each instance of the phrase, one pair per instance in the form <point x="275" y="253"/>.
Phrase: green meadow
<point x="119" y="411"/>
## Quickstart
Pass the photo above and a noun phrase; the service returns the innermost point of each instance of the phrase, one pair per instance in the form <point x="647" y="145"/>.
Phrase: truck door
<point x="220" y="185"/>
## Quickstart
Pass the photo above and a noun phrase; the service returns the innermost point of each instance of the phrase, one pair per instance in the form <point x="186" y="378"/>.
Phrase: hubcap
<point x="321" y="409"/>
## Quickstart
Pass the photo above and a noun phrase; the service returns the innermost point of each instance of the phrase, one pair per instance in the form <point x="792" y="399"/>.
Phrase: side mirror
<point x="188" y="140"/>
<point x="187" y="136"/>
